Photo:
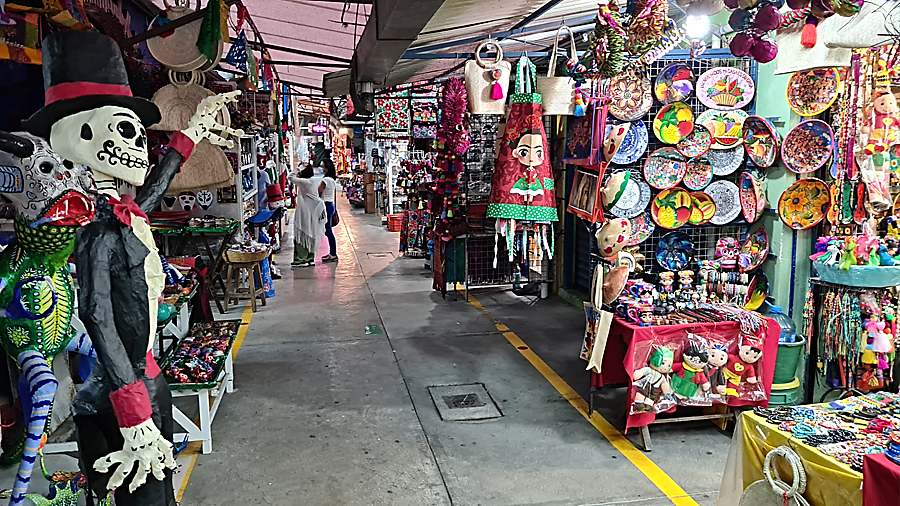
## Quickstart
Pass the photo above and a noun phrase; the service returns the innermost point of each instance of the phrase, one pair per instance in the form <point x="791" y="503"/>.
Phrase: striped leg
<point x="42" y="387"/>
<point x="81" y="343"/>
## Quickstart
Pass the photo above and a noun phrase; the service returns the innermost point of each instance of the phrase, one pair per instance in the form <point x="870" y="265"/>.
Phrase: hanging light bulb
<point x="696" y="26"/>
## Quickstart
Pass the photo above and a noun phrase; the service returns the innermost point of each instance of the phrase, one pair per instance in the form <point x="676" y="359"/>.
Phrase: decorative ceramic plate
<point x="754" y="251"/>
<point x="811" y="92"/>
<point x="761" y="141"/>
<point x="727" y="127"/>
<point x="696" y="143"/>
<point x="808" y="146"/>
<point x="672" y="208"/>
<point x="698" y="175"/>
<point x="725" y="88"/>
<point x="634" y="145"/>
<point x="804" y="204"/>
<point x="664" y="168"/>
<point x="757" y="292"/>
<point x="674" y="83"/>
<point x="728" y="201"/>
<point x="753" y="196"/>
<point x="634" y="199"/>
<point x="673" y="122"/>
<point x="704" y="208"/>
<point x="630" y="95"/>
<point x="725" y="161"/>
<point x="642" y="228"/>
<point x="675" y="251"/>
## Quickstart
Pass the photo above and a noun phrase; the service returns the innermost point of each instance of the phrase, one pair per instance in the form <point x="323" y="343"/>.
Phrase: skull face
<point x="186" y="201"/>
<point x="204" y="199"/>
<point x="43" y="187"/>
<point x="727" y="250"/>
<point x="110" y="140"/>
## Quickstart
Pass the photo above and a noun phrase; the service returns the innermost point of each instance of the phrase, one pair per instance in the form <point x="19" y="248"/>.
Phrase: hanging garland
<point x="452" y="143"/>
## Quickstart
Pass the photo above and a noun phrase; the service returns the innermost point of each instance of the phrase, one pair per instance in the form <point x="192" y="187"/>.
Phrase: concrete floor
<point x="332" y="406"/>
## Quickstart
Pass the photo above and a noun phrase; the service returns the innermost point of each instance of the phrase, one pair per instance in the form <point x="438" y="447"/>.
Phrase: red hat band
<point x="78" y="89"/>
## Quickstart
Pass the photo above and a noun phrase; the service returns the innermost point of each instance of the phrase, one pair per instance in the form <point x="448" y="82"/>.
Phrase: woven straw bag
<point x="558" y="93"/>
<point x="481" y="81"/>
<point x="178" y="50"/>
<point x="208" y="167"/>
<point x="870" y="27"/>
<point x="178" y="101"/>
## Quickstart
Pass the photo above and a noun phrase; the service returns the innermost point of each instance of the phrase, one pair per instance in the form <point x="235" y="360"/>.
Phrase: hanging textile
<point x="237" y="55"/>
<point x="523" y="187"/>
<point x="211" y="31"/>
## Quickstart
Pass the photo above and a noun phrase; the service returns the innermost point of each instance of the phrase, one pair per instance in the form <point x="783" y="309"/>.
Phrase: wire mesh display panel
<point x="704" y="237"/>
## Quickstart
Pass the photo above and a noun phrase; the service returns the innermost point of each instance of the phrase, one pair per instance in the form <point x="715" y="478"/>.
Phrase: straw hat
<point x="178" y="50"/>
<point x="208" y="167"/>
<point x="613" y="236"/>
<point x="178" y="101"/>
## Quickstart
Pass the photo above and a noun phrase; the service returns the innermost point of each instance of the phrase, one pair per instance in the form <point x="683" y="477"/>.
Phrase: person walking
<point x="309" y="219"/>
<point x="326" y="192"/>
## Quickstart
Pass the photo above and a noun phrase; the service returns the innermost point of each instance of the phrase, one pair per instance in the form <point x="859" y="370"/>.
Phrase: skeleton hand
<point x="145" y="448"/>
<point x="204" y="124"/>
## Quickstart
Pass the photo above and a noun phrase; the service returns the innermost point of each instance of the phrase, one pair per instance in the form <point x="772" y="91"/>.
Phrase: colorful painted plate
<point x="754" y="251"/>
<point x="725" y="88"/>
<point x="727" y="127"/>
<point x="808" y="146"/>
<point x="804" y="204"/>
<point x="704" y="208"/>
<point x="811" y="92"/>
<point x="696" y="143"/>
<point x="634" y="146"/>
<point x="671" y="208"/>
<point x="757" y="292"/>
<point x="634" y="199"/>
<point x="698" y="175"/>
<point x="761" y="141"/>
<point x="675" y="251"/>
<point x="674" y="83"/>
<point x="642" y="228"/>
<point x="726" y="161"/>
<point x="728" y="201"/>
<point x="673" y="122"/>
<point x="753" y="196"/>
<point x="630" y="95"/>
<point x="664" y="168"/>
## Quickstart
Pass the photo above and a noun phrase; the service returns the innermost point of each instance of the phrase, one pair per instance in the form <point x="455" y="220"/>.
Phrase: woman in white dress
<point x="309" y="219"/>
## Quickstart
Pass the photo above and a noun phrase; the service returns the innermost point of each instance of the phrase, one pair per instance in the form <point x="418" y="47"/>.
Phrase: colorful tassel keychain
<point x="580" y="106"/>
<point x="496" y="88"/>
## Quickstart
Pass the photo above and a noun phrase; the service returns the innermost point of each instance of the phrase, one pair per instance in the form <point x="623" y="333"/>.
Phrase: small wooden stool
<point x="236" y="265"/>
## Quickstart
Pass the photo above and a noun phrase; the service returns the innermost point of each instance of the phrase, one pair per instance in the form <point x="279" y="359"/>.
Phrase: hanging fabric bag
<point x="487" y="82"/>
<point x="558" y="93"/>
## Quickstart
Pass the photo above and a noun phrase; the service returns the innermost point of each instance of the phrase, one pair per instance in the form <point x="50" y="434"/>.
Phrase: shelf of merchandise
<point x="245" y="151"/>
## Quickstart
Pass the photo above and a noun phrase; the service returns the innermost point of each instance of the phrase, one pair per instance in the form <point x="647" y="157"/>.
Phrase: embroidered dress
<point x="523" y="188"/>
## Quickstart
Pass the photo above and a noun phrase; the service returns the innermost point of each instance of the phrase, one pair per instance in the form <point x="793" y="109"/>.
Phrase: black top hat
<point x="84" y="71"/>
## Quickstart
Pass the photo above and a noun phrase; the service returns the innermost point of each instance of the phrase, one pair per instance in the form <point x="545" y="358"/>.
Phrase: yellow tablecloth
<point x="829" y="482"/>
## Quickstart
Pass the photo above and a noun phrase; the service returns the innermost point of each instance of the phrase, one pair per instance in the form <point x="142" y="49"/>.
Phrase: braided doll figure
<point x="37" y="292"/>
<point x="123" y="413"/>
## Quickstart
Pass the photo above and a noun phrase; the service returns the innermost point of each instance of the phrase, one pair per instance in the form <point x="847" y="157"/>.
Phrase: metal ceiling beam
<point x="301" y="52"/>
<point x="308" y="86"/>
<point x="290" y="63"/>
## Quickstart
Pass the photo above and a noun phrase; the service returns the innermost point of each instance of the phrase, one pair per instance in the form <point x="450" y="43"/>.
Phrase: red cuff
<point x="182" y="143"/>
<point x="151" y="370"/>
<point x="131" y="404"/>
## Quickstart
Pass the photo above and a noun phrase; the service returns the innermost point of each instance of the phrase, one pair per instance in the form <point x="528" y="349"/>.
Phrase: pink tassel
<point x="808" y="34"/>
<point x="496" y="91"/>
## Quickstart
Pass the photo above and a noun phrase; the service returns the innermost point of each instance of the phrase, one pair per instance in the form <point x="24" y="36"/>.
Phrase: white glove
<point x="204" y="123"/>
<point x="144" y="446"/>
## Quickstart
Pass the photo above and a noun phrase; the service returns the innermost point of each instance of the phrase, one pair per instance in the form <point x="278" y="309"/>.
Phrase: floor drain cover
<point x="457" y="403"/>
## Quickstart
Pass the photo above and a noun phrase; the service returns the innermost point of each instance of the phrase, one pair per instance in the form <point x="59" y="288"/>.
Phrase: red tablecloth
<point x="619" y="357"/>
<point x="881" y="481"/>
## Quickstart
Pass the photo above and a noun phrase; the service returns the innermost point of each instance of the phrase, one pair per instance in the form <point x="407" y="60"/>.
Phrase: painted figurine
<point x="37" y="291"/>
<point x="651" y="383"/>
<point x="741" y="368"/>
<point x="689" y="376"/>
<point x="715" y="368"/>
<point x="123" y="413"/>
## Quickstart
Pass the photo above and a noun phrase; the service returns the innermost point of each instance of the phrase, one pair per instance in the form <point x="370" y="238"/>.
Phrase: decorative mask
<point x="204" y="199"/>
<point x="727" y="251"/>
<point x="109" y="140"/>
<point x="43" y="187"/>
<point x="187" y="201"/>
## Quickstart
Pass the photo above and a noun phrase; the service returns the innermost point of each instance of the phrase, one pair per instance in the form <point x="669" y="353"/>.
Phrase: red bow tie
<point x="124" y="208"/>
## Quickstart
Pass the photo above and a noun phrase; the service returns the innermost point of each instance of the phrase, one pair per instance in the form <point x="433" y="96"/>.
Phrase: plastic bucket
<point x="786" y="394"/>
<point x="787" y="360"/>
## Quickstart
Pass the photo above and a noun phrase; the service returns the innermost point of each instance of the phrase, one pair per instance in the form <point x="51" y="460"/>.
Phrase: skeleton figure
<point x="37" y="292"/>
<point x="123" y="412"/>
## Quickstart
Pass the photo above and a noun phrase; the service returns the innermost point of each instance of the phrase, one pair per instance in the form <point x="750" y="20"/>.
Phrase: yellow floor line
<point x="638" y="458"/>
<point x="194" y="448"/>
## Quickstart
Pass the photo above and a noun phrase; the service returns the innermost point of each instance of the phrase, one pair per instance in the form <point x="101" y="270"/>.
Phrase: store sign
<point x="319" y="127"/>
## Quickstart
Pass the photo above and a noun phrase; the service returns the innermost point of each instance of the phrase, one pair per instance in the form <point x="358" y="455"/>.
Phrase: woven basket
<point x="178" y="101"/>
<point x="179" y="51"/>
<point x="244" y="257"/>
<point x="208" y="167"/>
